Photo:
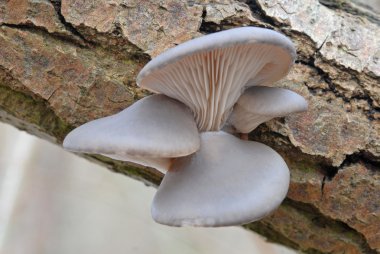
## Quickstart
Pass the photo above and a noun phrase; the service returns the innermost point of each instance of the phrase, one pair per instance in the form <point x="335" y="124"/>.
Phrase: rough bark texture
<point x="63" y="63"/>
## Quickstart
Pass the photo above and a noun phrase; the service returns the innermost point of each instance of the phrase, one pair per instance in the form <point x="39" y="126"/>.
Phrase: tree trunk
<point x="63" y="63"/>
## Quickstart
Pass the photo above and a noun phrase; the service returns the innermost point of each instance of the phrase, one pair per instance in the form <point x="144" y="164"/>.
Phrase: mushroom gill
<point x="208" y="74"/>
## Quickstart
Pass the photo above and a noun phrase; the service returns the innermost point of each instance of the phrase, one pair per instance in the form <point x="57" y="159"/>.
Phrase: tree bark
<point x="63" y="63"/>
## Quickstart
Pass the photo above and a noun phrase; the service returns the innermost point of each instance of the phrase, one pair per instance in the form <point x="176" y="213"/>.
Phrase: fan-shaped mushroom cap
<point x="210" y="73"/>
<point x="260" y="104"/>
<point x="149" y="132"/>
<point x="227" y="182"/>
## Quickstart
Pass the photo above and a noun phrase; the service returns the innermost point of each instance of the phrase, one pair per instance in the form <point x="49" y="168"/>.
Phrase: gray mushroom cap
<point x="150" y="132"/>
<point x="209" y="73"/>
<point x="227" y="182"/>
<point x="260" y="104"/>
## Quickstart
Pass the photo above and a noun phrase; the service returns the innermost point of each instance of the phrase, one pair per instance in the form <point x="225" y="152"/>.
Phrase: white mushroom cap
<point x="209" y="73"/>
<point x="152" y="129"/>
<point x="227" y="182"/>
<point x="260" y="104"/>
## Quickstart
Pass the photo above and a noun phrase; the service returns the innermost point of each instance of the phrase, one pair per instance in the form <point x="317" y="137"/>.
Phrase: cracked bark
<point x="61" y="67"/>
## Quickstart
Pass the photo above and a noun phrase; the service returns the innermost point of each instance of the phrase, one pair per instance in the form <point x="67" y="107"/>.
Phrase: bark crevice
<point x="57" y="6"/>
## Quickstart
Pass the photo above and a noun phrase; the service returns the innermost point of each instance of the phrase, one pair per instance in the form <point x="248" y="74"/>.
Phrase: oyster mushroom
<point x="151" y="132"/>
<point x="212" y="178"/>
<point x="260" y="104"/>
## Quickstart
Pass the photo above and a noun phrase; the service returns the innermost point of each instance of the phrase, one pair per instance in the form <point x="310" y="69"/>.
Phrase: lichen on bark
<point x="60" y="67"/>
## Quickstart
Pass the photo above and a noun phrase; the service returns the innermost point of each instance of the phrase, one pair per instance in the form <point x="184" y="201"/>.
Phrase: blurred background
<point x="52" y="201"/>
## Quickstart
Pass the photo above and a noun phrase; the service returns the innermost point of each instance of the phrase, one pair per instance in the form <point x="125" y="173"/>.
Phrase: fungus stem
<point x="244" y="136"/>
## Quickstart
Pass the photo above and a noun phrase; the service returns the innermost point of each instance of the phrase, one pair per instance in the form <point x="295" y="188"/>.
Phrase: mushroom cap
<point x="260" y="104"/>
<point x="227" y="182"/>
<point x="154" y="127"/>
<point x="209" y="73"/>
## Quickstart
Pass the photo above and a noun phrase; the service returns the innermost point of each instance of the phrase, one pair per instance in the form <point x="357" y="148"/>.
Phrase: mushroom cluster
<point x="207" y="90"/>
